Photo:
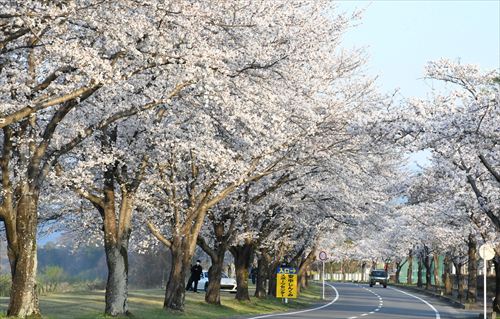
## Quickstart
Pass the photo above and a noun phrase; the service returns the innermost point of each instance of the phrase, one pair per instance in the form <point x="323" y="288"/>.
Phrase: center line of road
<point x="438" y="316"/>
<point x="303" y="311"/>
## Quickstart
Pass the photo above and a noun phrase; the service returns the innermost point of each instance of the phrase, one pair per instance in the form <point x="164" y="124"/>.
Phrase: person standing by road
<point x="196" y="271"/>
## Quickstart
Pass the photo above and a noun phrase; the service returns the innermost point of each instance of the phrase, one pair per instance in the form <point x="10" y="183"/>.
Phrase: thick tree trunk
<point x="116" y="297"/>
<point x="448" y="284"/>
<point x="271" y="289"/>
<point x="496" y="301"/>
<point x="304" y="265"/>
<point x="363" y="270"/>
<point x="242" y="255"/>
<point x="175" y="293"/>
<point x="428" y="267"/>
<point x="419" y="273"/>
<point x="398" y="271"/>
<point x="21" y="235"/>
<point x="409" y="272"/>
<point x="472" y="268"/>
<point x="460" y="281"/>
<point x="212" y="295"/>
<point x="263" y="269"/>
<point x="437" y="280"/>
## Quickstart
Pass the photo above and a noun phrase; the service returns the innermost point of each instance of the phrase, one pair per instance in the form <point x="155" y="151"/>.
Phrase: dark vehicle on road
<point x="378" y="277"/>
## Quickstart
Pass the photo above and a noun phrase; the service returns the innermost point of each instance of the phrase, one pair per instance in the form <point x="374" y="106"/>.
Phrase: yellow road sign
<point x="286" y="286"/>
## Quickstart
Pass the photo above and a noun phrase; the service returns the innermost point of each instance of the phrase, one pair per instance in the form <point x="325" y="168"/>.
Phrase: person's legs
<point x="195" y="285"/>
<point x="190" y="284"/>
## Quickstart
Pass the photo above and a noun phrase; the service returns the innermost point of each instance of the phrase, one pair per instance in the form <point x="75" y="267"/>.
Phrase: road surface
<point x="359" y="301"/>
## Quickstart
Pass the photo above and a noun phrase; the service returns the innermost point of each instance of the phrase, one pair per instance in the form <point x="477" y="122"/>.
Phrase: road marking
<point x="438" y="316"/>
<point x="307" y="310"/>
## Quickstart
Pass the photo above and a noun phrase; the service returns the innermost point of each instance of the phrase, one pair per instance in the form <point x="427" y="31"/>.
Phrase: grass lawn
<point x="148" y="304"/>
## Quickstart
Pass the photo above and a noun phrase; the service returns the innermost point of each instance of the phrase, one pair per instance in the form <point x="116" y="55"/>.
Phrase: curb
<point x="452" y="302"/>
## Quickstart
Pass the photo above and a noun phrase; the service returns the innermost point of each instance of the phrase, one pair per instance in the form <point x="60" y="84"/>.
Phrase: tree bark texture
<point x="447" y="276"/>
<point x="116" y="297"/>
<point x="304" y="265"/>
<point x="428" y="267"/>
<point x="242" y="255"/>
<point x="437" y="280"/>
<point x="459" y="281"/>
<point x="263" y="269"/>
<point x="212" y="295"/>
<point x="409" y="273"/>
<point x="419" y="273"/>
<point x="175" y="292"/>
<point x="472" y="269"/>
<point x="21" y="235"/>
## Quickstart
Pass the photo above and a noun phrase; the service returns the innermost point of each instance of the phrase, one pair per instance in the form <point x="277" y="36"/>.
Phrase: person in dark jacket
<point x="196" y="271"/>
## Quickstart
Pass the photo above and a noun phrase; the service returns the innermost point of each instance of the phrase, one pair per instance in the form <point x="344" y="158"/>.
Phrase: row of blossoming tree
<point x="451" y="205"/>
<point x="238" y="126"/>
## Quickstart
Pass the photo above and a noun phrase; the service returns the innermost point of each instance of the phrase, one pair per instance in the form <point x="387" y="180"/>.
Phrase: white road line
<point x="304" y="311"/>
<point x="438" y="316"/>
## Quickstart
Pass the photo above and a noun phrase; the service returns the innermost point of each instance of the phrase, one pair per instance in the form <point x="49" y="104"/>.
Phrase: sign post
<point x="323" y="257"/>
<point x="486" y="252"/>
<point x="286" y="283"/>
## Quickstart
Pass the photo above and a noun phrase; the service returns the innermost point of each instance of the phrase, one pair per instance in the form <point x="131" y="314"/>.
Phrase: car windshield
<point x="224" y="275"/>
<point x="378" y="274"/>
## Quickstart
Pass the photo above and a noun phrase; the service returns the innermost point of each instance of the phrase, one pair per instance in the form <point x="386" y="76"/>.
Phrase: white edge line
<point x="303" y="311"/>
<point x="438" y="316"/>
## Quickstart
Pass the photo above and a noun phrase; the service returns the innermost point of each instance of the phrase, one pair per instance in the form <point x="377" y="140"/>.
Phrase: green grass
<point x="148" y="304"/>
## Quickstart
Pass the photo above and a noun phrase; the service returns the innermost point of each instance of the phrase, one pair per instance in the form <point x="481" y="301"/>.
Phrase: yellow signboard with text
<point x="286" y="283"/>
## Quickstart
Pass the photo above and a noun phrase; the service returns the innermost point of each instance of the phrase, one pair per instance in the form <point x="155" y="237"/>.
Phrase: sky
<point x="400" y="37"/>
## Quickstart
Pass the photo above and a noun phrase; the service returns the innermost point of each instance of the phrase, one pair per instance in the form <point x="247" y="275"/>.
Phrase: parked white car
<point x="226" y="283"/>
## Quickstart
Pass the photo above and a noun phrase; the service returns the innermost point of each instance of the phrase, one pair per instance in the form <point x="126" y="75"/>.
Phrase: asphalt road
<point x="356" y="301"/>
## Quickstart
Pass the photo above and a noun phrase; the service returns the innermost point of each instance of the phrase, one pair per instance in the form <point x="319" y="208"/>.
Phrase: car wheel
<point x="385" y="286"/>
<point x="371" y="285"/>
<point x="206" y="286"/>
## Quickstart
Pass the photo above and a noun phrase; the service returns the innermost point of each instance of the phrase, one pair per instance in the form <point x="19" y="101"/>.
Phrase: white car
<point x="226" y="283"/>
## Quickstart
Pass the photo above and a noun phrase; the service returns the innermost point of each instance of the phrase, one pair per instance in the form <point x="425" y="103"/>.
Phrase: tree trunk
<point x="212" y="295"/>
<point x="304" y="265"/>
<point x="472" y="268"/>
<point x="409" y="272"/>
<point x="363" y="270"/>
<point x="271" y="289"/>
<point x="242" y="255"/>
<point x="263" y="269"/>
<point x="175" y="292"/>
<point x="117" y="284"/>
<point x="496" y="301"/>
<point x="21" y="234"/>
<point x="448" y="284"/>
<point x="419" y="273"/>
<point x="428" y="266"/>
<point x="460" y="281"/>
<point x="398" y="271"/>
<point x="437" y="281"/>
<point x="399" y="266"/>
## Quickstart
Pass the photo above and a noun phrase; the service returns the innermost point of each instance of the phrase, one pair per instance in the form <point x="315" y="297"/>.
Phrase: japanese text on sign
<point x="286" y="283"/>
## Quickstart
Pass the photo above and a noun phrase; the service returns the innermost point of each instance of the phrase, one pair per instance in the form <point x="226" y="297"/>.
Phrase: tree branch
<point x="489" y="167"/>
<point x="156" y="232"/>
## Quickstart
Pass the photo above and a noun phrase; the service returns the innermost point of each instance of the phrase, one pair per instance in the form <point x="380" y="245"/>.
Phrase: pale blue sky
<point x="401" y="36"/>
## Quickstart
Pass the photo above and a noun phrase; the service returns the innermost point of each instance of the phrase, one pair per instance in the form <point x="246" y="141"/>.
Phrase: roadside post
<point x="286" y="283"/>
<point x="486" y="252"/>
<point x="323" y="257"/>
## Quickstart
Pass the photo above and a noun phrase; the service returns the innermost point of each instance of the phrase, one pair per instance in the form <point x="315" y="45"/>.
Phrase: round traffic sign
<point x="322" y="255"/>
<point x="487" y="252"/>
